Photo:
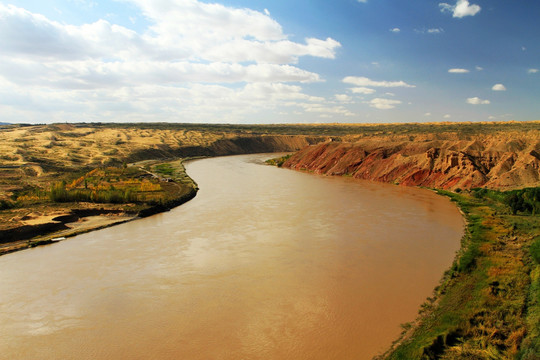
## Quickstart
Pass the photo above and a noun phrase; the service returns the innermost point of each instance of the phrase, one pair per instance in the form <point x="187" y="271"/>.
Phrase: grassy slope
<point x="487" y="306"/>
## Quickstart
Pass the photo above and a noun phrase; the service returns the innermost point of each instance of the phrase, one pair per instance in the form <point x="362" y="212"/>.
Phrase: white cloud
<point x="479" y="68"/>
<point x="324" y="109"/>
<point x="532" y="71"/>
<point x="458" y="71"/>
<point x="187" y="30"/>
<point x="219" y="33"/>
<point x="34" y="36"/>
<point x="429" y="31"/>
<point x="427" y="114"/>
<point x="395" y="30"/>
<point x="364" y="82"/>
<point x="498" y="87"/>
<point x="343" y="97"/>
<point x="93" y="74"/>
<point x="384" y="104"/>
<point x="362" y="1"/>
<point x="363" y="90"/>
<point x="447" y="116"/>
<point x="477" y="101"/>
<point x="445" y="7"/>
<point x="277" y="52"/>
<point x="461" y="9"/>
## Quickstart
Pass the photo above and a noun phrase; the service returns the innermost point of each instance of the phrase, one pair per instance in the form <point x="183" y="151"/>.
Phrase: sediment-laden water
<point x="264" y="263"/>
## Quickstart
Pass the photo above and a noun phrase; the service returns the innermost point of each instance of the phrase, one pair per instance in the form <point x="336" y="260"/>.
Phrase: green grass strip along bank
<point x="488" y="304"/>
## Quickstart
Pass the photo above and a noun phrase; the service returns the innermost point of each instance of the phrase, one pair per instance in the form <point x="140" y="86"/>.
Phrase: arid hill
<point x="46" y="147"/>
<point x="497" y="161"/>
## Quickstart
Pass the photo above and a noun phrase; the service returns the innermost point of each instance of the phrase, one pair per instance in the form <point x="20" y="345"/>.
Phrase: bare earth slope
<point x="498" y="161"/>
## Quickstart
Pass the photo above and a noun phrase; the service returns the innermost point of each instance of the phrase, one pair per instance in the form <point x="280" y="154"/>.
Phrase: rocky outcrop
<point x="487" y="161"/>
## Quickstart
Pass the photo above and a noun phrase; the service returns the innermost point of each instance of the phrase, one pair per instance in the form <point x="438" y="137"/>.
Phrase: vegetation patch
<point x="278" y="161"/>
<point x="165" y="169"/>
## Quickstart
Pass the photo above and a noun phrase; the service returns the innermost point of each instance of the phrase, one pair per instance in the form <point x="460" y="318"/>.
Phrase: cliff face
<point x="488" y="161"/>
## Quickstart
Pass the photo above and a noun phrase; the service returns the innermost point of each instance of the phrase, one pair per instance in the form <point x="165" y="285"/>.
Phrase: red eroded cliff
<point x="497" y="162"/>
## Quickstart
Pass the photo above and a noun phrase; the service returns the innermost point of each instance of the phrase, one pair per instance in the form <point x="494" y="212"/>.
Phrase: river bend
<point x="264" y="263"/>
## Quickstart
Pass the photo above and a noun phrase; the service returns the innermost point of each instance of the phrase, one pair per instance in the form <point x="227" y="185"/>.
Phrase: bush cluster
<point x="59" y="193"/>
<point x="526" y="201"/>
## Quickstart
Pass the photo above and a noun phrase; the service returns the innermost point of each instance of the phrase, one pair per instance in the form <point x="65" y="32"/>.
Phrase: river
<point x="264" y="263"/>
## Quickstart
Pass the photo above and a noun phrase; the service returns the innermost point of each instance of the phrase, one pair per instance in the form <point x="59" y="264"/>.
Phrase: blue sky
<point x="261" y="61"/>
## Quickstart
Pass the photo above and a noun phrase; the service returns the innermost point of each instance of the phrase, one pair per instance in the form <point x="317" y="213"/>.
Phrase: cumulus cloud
<point x="458" y="71"/>
<point x="498" y="87"/>
<point x="186" y="30"/>
<point x="395" y="30"/>
<point x="188" y="47"/>
<point x="181" y="30"/>
<point x="461" y="9"/>
<point x="363" y="90"/>
<point x="477" y="101"/>
<point x="324" y="109"/>
<point x="93" y="74"/>
<point x="35" y="37"/>
<point x="343" y="97"/>
<point x="365" y="82"/>
<point x="532" y="71"/>
<point x="383" y="104"/>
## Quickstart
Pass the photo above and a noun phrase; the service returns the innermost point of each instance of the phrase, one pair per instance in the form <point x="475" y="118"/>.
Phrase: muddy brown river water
<point x="264" y="263"/>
